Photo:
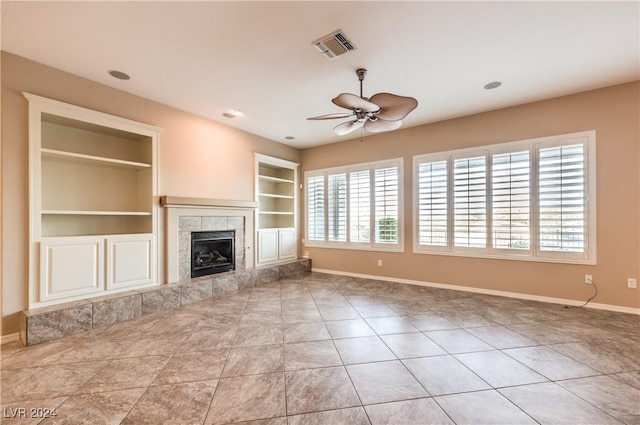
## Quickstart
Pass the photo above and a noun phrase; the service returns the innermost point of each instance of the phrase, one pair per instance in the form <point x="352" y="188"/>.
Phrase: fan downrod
<point x="361" y="72"/>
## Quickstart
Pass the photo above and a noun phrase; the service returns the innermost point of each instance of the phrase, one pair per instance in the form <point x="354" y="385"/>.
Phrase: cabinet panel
<point x="130" y="260"/>
<point x="267" y="245"/>
<point x="287" y="247"/>
<point x="70" y="267"/>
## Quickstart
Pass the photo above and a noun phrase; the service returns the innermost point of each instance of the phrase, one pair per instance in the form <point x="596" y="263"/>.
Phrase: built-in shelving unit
<point x="276" y="183"/>
<point x="93" y="202"/>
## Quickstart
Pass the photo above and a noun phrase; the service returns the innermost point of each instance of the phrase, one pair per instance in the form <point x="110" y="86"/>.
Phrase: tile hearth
<point x="327" y="349"/>
<point x="50" y="323"/>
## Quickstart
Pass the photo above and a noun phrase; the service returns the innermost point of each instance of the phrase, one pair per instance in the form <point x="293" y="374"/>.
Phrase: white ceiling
<point x="208" y="57"/>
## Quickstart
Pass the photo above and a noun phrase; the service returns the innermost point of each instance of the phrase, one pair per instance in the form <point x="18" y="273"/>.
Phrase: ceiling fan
<point x="382" y="112"/>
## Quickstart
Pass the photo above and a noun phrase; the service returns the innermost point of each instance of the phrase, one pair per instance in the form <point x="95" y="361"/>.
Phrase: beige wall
<point x="197" y="157"/>
<point x="613" y="112"/>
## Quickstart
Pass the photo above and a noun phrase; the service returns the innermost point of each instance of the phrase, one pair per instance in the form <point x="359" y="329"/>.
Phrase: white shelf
<point x="274" y="179"/>
<point x="91" y="159"/>
<point x="88" y="212"/>
<point x="275" y="213"/>
<point x="273" y="195"/>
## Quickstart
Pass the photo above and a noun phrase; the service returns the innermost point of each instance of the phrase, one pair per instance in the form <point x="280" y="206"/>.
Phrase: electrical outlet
<point x="632" y="283"/>
<point x="588" y="279"/>
<point x="379" y="263"/>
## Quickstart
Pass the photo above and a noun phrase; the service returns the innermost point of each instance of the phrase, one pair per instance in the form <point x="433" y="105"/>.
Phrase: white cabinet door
<point x="287" y="244"/>
<point x="130" y="260"/>
<point x="71" y="266"/>
<point x="267" y="245"/>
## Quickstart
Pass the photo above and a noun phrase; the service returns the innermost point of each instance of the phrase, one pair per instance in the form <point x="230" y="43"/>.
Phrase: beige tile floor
<point x="331" y="350"/>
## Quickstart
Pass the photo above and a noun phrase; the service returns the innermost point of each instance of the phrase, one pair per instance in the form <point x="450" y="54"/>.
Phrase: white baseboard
<point x="5" y="339"/>
<point x="517" y="295"/>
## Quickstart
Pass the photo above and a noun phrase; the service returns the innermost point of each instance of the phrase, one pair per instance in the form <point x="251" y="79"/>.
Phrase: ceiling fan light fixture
<point x="381" y="112"/>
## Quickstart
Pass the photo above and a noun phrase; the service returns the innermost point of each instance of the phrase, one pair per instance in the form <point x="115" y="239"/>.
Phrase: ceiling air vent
<point x="334" y="45"/>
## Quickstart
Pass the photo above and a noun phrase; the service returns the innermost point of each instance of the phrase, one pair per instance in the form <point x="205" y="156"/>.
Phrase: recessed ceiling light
<point x="119" y="75"/>
<point x="493" y="85"/>
<point x="233" y="113"/>
<point x="290" y="138"/>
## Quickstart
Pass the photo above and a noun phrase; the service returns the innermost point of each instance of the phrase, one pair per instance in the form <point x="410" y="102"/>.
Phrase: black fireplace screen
<point x="212" y="252"/>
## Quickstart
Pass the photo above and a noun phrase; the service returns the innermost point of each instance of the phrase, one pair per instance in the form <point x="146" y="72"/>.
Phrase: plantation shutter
<point x="360" y="206"/>
<point x="470" y="202"/>
<point x="386" y="205"/>
<point x="337" y="207"/>
<point x="511" y="205"/>
<point x="562" y="199"/>
<point x="315" y="208"/>
<point x="432" y="203"/>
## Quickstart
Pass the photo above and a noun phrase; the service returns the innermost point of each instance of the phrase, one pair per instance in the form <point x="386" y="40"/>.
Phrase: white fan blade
<point x="347" y="127"/>
<point x="332" y="116"/>
<point x="380" y="126"/>
<point x="351" y="101"/>
<point x="393" y="107"/>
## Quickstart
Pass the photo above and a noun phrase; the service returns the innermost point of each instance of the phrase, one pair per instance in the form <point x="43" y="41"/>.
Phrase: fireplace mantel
<point x="180" y="201"/>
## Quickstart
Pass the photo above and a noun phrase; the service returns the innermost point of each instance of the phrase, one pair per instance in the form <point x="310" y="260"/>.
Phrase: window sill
<point x="356" y="247"/>
<point x="514" y="257"/>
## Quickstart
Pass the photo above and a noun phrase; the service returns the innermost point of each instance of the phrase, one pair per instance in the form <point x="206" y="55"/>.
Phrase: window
<point x="386" y="203"/>
<point x="432" y="204"/>
<point x="356" y="207"/>
<point x="470" y="202"/>
<point x="360" y="206"/>
<point x="511" y="200"/>
<point x="562" y="199"/>
<point x="528" y="200"/>
<point x="315" y="208"/>
<point x="337" y="207"/>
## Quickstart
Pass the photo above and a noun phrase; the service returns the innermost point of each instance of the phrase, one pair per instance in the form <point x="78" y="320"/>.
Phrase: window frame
<point x="370" y="245"/>
<point x="534" y="253"/>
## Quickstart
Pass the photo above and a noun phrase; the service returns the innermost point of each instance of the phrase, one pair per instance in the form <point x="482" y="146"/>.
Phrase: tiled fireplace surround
<point x="183" y="217"/>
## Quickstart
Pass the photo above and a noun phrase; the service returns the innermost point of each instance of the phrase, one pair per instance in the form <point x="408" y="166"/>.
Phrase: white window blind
<point x="315" y="208"/>
<point x="527" y="200"/>
<point x="432" y="203"/>
<point x="356" y="207"/>
<point x="470" y="202"/>
<point x="386" y="205"/>
<point x="360" y="206"/>
<point x="562" y="199"/>
<point x="337" y="207"/>
<point x="511" y="201"/>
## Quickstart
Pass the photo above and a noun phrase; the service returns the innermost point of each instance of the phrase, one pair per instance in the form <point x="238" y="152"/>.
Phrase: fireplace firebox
<point x="212" y="252"/>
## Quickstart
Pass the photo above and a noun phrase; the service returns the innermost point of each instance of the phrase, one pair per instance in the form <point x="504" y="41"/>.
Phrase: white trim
<point x="260" y="157"/>
<point x="56" y="107"/>
<point x="517" y="295"/>
<point x="6" y="339"/>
